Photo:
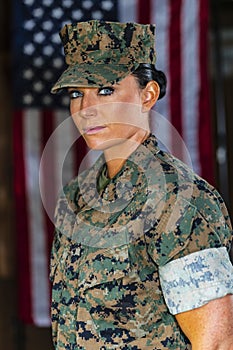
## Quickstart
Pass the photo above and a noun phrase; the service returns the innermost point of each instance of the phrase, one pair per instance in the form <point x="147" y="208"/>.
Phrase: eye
<point x="105" y="91"/>
<point x="75" y="94"/>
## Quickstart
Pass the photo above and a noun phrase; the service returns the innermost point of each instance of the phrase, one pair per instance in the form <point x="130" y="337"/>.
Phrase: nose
<point x="88" y="106"/>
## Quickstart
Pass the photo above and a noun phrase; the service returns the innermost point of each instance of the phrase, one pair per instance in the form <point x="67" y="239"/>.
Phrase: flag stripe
<point x="127" y="10"/>
<point x="23" y="246"/>
<point x="37" y="240"/>
<point x="190" y="78"/>
<point x="66" y="135"/>
<point x="205" y="130"/>
<point x="144" y="11"/>
<point x="175" y="72"/>
<point x="47" y="127"/>
<point x="160" y="15"/>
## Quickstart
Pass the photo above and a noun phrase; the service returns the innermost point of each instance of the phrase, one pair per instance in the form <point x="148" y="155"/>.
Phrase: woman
<point x="140" y="255"/>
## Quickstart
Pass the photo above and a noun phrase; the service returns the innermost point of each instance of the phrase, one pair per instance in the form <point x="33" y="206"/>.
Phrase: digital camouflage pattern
<point x="204" y="275"/>
<point x="100" y="53"/>
<point x="109" y="247"/>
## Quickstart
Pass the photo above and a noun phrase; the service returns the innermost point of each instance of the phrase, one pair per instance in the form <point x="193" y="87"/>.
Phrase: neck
<point x="116" y="156"/>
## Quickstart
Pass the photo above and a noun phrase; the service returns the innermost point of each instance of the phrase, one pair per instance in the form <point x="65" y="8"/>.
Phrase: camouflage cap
<point x="99" y="53"/>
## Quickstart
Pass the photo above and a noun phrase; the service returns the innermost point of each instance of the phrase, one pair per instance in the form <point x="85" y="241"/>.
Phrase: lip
<point x="93" y="129"/>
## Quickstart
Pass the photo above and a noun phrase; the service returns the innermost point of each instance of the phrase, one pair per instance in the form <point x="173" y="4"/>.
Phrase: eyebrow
<point x="106" y="87"/>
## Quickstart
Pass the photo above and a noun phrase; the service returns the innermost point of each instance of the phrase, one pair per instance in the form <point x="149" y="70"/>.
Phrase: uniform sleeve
<point x="191" y="248"/>
<point x="194" y="280"/>
<point x="54" y="258"/>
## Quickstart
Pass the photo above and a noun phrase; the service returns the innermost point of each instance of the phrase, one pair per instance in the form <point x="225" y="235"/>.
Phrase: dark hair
<point x="147" y="72"/>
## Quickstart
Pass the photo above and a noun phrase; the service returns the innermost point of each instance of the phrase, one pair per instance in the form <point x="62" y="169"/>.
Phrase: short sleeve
<point x="54" y="255"/>
<point x="188" y="226"/>
<point x="192" y="281"/>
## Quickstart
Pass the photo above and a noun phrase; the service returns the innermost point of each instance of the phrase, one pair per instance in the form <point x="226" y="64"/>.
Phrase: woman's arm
<point x="209" y="327"/>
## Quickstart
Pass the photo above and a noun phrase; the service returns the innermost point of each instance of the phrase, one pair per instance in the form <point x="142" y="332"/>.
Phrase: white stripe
<point x="161" y="17"/>
<point x="190" y="77"/>
<point x="58" y="146"/>
<point x="127" y="10"/>
<point x="64" y="139"/>
<point x="37" y="239"/>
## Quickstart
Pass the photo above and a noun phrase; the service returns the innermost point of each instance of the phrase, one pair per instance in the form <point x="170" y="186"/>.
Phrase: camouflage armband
<point x="194" y="280"/>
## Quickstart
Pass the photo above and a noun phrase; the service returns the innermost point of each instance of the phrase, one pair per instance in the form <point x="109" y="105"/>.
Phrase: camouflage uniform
<point x="117" y="254"/>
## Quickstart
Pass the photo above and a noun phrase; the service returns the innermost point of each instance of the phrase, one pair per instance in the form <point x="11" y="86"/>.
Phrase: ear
<point x="150" y="95"/>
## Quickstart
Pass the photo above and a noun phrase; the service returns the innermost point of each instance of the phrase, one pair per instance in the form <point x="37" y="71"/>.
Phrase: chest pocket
<point x="101" y="266"/>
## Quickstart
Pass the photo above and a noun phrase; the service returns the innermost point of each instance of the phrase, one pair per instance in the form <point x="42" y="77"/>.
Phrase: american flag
<point x="181" y="45"/>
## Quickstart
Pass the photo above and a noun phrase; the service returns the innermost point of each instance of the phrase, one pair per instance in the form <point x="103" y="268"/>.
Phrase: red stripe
<point x="79" y="149"/>
<point x="47" y="128"/>
<point x="175" y="70"/>
<point x="144" y="11"/>
<point x="205" y="128"/>
<point x="22" y="228"/>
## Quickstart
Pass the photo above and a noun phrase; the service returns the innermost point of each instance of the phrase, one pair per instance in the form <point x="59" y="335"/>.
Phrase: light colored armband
<point x="194" y="280"/>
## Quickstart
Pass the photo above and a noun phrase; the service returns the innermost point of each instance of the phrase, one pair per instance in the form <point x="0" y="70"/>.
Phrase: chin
<point x="95" y="145"/>
<point x="101" y="145"/>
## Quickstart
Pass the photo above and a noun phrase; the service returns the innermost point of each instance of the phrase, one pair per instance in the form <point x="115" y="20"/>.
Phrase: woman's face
<point x="109" y="115"/>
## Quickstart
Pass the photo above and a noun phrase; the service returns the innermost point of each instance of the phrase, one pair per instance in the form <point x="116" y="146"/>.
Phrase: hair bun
<point x="161" y="79"/>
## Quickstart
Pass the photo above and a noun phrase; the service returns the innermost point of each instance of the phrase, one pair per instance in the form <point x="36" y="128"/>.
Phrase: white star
<point x="38" y="61"/>
<point x="55" y="38"/>
<point x="48" y="50"/>
<point x="47" y="2"/>
<point x="57" y="13"/>
<point x="57" y="62"/>
<point x="38" y="12"/>
<point x="48" y="75"/>
<point x="29" y="25"/>
<point x="27" y="99"/>
<point x="87" y="4"/>
<point x="28" y="73"/>
<point x="97" y="15"/>
<point x="29" y="49"/>
<point x="67" y="3"/>
<point x="38" y="86"/>
<point x="28" y="2"/>
<point x="77" y="14"/>
<point x="39" y="37"/>
<point x="107" y="5"/>
<point x="47" y="25"/>
<point x="47" y="100"/>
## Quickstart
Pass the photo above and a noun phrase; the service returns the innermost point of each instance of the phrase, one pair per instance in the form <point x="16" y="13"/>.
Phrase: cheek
<point x="128" y="114"/>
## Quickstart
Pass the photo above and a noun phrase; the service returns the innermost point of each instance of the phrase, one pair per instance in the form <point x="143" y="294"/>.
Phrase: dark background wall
<point x="7" y="247"/>
<point x="13" y="335"/>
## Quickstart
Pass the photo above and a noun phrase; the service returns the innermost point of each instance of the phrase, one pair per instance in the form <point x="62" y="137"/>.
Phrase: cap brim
<point x="90" y="75"/>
